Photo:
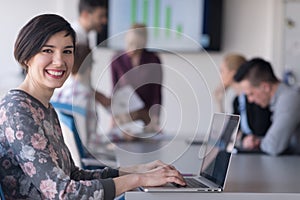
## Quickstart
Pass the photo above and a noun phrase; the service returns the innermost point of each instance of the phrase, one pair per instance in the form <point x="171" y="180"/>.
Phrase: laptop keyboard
<point x="192" y="183"/>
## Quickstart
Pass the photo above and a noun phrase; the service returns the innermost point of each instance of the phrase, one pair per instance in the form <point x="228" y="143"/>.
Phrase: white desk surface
<point x="251" y="176"/>
<point x="210" y="196"/>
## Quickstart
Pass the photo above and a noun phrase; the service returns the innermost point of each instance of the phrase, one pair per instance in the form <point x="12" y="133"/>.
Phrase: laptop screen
<point x="219" y="147"/>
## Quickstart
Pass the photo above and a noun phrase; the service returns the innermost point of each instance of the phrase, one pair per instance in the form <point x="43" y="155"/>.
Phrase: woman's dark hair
<point x="33" y="36"/>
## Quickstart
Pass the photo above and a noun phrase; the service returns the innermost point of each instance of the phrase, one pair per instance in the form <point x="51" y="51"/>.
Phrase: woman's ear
<point x="25" y="66"/>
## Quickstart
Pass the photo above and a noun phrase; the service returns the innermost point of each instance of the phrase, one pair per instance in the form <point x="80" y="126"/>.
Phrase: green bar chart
<point x="142" y="8"/>
<point x="168" y="20"/>
<point x="145" y="11"/>
<point x="179" y="30"/>
<point x="171" y="24"/>
<point x="156" y="17"/>
<point x="133" y="11"/>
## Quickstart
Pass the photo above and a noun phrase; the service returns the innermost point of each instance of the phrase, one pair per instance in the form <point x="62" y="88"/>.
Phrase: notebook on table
<point x="216" y="159"/>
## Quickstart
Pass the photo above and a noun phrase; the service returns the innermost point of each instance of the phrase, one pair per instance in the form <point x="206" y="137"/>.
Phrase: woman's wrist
<point x="141" y="168"/>
<point x="126" y="170"/>
<point x="127" y="182"/>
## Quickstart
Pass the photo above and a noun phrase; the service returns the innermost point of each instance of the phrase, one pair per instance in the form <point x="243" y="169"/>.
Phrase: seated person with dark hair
<point x="254" y="119"/>
<point x="262" y="87"/>
<point x="257" y="121"/>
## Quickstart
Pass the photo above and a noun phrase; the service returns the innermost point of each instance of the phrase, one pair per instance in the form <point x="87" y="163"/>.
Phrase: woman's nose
<point x="58" y="59"/>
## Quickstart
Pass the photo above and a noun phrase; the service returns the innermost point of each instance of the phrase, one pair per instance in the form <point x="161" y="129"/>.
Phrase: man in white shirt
<point x="77" y="90"/>
<point x="92" y="18"/>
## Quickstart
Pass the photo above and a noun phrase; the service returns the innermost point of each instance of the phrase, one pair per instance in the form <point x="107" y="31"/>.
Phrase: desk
<point x="264" y="174"/>
<point x="172" y="151"/>
<point x="250" y="176"/>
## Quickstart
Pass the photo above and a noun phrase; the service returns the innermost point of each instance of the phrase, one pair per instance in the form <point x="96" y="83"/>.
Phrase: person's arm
<point x="46" y="161"/>
<point x="251" y="142"/>
<point x="285" y="119"/>
<point x="141" y="168"/>
<point x="102" y="99"/>
<point x="140" y="114"/>
<point x="114" y="67"/>
<point x="152" y="174"/>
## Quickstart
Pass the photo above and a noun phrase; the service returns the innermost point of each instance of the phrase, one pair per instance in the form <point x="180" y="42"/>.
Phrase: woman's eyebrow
<point x="70" y="46"/>
<point x="52" y="46"/>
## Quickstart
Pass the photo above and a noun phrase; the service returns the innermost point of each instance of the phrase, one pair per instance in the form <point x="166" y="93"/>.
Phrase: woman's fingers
<point x="160" y="173"/>
<point x="173" y="175"/>
<point x="173" y="179"/>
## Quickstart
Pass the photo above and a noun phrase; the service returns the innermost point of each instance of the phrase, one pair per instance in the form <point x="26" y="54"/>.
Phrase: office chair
<point x="71" y="144"/>
<point x="80" y="154"/>
<point x="1" y="193"/>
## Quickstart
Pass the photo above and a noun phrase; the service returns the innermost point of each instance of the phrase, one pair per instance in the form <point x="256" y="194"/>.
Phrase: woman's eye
<point x="68" y="51"/>
<point x="47" y="50"/>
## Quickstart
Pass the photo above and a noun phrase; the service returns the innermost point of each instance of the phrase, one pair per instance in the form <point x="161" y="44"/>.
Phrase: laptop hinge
<point x="209" y="183"/>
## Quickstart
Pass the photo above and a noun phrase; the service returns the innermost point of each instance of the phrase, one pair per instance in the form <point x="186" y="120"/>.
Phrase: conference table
<point x="250" y="176"/>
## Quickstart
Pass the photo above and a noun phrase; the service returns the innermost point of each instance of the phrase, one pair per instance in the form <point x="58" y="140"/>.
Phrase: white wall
<point x="13" y="15"/>
<point x="251" y="27"/>
<point x="254" y="27"/>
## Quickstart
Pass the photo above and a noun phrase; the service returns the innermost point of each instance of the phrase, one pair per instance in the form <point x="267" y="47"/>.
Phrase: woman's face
<point x="134" y="42"/>
<point x="226" y="74"/>
<point x="50" y="67"/>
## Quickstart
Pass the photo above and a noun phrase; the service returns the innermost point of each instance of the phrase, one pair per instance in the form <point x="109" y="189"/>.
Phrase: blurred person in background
<point x="255" y="120"/>
<point x="141" y="69"/>
<point x="261" y="86"/>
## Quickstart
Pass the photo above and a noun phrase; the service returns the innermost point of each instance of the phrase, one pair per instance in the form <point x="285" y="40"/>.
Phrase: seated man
<point x="261" y="86"/>
<point x="254" y="119"/>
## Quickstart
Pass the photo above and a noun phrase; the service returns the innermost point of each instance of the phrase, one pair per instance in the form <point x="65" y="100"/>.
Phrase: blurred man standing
<point x="92" y="18"/>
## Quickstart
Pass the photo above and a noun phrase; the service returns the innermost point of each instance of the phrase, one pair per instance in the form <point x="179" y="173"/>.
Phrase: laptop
<point x="217" y="150"/>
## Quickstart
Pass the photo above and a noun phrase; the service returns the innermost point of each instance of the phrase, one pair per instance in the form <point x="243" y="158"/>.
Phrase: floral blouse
<point x="35" y="162"/>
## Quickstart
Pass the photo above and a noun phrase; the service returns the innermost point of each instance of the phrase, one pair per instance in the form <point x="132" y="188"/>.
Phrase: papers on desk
<point x="133" y="127"/>
<point x="125" y="100"/>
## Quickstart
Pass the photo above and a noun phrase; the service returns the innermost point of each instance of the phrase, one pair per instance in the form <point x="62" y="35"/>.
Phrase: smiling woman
<point x="45" y="55"/>
<point x="53" y="61"/>
<point x="35" y="161"/>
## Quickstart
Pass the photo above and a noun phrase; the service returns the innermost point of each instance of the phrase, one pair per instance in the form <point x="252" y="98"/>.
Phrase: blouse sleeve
<point x="38" y="146"/>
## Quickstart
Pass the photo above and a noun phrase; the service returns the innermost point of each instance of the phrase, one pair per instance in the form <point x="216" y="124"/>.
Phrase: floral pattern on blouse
<point x="35" y="162"/>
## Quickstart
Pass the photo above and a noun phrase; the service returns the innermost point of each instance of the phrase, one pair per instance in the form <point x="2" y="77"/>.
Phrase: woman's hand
<point x="141" y="168"/>
<point x="160" y="174"/>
